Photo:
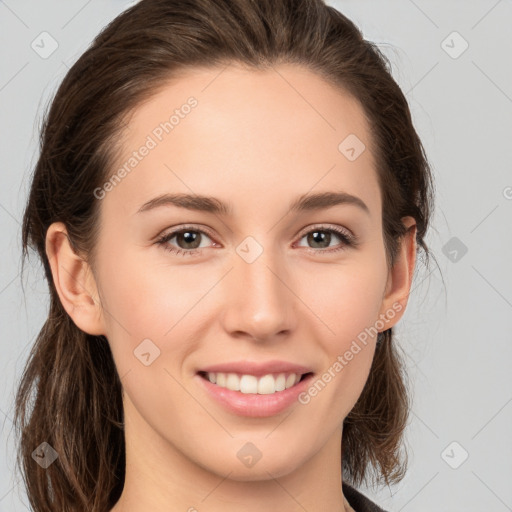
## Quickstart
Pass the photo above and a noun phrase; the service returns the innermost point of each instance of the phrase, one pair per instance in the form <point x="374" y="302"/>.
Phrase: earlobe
<point x="74" y="281"/>
<point x="398" y="286"/>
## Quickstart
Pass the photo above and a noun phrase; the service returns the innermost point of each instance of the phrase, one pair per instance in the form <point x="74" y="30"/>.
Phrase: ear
<point x="399" y="281"/>
<point x="74" y="281"/>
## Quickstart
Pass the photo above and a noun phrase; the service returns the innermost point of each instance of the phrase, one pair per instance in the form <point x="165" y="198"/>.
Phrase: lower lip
<point x="252" y="404"/>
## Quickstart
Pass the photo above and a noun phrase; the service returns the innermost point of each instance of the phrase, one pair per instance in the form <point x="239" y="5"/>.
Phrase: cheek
<point x="144" y="298"/>
<point x="347" y="298"/>
<point x="348" y="304"/>
<point x="138" y="304"/>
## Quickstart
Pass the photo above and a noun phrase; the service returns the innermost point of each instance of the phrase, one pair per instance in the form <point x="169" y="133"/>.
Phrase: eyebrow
<point x="306" y="202"/>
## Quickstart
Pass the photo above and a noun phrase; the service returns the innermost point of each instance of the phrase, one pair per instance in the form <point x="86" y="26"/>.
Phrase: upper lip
<point x="257" y="369"/>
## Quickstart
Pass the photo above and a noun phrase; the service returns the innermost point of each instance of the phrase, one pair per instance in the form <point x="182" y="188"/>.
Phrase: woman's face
<point x="261" y="282"/>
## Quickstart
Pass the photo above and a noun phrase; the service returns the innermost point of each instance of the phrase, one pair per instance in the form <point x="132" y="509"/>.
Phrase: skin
<point x="257" y="139"/>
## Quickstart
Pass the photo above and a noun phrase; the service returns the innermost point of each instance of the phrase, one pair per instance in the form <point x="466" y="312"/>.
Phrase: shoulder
<point x="359" y="502"/>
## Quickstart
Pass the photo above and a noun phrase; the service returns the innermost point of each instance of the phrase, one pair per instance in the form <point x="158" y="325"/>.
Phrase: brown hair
<point x="70" y="392"/>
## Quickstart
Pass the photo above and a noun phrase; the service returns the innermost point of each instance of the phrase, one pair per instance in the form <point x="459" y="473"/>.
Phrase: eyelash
<point x="348" y="239"/>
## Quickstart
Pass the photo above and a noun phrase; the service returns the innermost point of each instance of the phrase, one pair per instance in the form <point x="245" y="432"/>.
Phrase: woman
<point x="254" y="369"/>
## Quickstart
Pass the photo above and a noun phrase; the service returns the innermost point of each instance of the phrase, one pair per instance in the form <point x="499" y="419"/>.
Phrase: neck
<point x="160" y="477"/>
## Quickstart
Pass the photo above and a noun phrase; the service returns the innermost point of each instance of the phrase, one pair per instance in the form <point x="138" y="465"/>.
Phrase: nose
<point x="259" y="300"/>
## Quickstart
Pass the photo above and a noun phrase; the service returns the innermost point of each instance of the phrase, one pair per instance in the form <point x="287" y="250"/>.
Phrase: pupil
<point x="189" y="237"/>
<point x="320" y="234"/>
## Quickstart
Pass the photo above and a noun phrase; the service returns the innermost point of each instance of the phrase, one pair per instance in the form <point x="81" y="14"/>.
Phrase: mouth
<point x="271" y="383"/>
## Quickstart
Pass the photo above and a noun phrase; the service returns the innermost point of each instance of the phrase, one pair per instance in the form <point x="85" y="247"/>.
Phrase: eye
<point x="189" y="240"/>
<point x="321" y="236"/>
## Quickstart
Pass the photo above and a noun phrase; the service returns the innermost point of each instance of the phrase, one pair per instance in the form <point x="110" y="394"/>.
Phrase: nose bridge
<point x="261" y="303"/>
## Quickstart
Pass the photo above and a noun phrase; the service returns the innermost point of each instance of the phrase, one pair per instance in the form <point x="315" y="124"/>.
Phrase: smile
<point x="251" y="384"/>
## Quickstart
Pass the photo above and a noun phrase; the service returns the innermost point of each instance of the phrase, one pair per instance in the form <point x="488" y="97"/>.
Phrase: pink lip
<point x="257" y="369"/>
<point x="251" y="404"/>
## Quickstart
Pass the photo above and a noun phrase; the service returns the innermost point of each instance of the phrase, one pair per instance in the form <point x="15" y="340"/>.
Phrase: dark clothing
<point x="359" y="502"/>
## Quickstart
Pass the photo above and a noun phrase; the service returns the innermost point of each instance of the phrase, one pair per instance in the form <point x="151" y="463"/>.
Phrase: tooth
<point x="290" y="381"/>
<point x="266" y="385"/>
<point x="221" y="379"/>
<point x="281" y="382"/>
<point x="248" y="384"/>
<point x="233" y="382"/>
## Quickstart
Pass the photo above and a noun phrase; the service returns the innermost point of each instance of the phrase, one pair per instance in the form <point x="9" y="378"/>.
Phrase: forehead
<point x="241" y="132"/>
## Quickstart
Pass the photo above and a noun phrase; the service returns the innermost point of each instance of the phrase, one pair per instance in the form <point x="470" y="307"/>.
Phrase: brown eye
<point x="321" y="238"/>
<point x="188" y="241"/>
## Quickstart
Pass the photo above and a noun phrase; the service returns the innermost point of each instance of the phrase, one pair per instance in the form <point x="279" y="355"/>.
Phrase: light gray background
<point x="457" y="337"/>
